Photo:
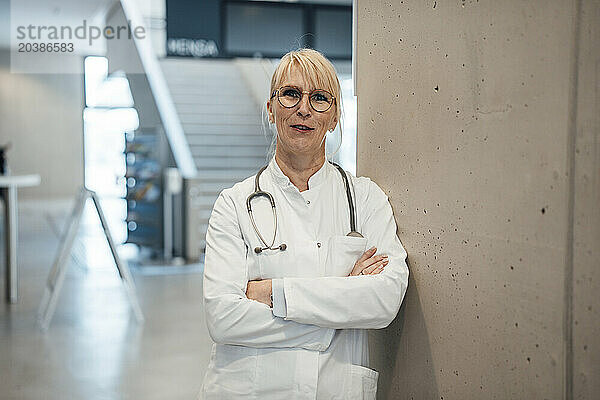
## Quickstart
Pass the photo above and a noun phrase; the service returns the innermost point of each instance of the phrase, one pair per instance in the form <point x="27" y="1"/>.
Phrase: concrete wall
<point x="584" y="350"/>
<point x="480" y="121"/>
<point x="42" y="116"/>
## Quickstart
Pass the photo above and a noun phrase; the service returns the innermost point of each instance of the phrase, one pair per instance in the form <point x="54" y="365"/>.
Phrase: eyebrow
<point x="293" y="86"/>
<point x="301" y="89"/>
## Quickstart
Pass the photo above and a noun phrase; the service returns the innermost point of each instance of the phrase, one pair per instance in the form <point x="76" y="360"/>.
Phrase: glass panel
<point x="333" y="32"/>
<point x="346" y="155"/>
<point x="264" y="29"/>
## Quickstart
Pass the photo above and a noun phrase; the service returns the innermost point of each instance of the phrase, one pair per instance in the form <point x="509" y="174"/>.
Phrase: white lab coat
<point x="313" y="343"/>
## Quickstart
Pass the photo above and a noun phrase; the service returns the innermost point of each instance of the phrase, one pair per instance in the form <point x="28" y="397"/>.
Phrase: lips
<point x="302" y="128"/>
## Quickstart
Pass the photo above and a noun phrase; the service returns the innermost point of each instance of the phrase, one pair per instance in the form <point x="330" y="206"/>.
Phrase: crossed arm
<point x="368" y="264"/>
<point x="315" y="306"/>
<point x="233" y="318"/>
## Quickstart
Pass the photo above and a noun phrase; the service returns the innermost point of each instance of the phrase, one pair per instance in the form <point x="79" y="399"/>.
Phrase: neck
<point x="299" y="168"/>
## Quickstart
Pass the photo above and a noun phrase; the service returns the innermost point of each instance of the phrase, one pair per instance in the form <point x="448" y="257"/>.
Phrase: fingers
<point x="359" y="267"/>
<point x="253" y="289"/>
<point x="372" y="260"/>
<point x="250" y="289"/>
<point x="369" y="263"/>
<point x="376" y="267"/>
<point x="367" y="254"/>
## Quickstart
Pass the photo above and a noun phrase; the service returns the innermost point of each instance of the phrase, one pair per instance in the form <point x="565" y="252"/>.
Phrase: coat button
<point x="319" y="244"/>
<point x="307" y="201"/>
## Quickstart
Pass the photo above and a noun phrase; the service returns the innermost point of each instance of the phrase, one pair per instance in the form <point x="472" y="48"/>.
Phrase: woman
<point x="288" y="294"/>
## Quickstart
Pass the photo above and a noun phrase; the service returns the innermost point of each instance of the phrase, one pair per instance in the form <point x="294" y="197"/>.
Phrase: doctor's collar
<point x="315" y="180"/>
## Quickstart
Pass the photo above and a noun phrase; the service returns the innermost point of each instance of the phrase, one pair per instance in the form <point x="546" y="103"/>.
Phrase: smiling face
<point x="300" y="129"/>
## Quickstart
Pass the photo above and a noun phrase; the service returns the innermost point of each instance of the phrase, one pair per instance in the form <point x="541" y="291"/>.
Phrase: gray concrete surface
<point x="94" y="349"/>
<point x="480" y="121"/>
<point x="584" y="348"/>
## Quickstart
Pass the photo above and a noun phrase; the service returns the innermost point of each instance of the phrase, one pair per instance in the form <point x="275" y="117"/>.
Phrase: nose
<point x="304" y="106"/>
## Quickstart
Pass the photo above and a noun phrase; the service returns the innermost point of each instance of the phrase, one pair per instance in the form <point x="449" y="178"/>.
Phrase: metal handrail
<point x="162" y="96"/>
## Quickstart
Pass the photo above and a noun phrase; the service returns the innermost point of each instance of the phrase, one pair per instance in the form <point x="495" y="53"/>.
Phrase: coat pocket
<point x="275" y="264"/>
<point x="231" y="371"/>
<point x="342" y="253"/>
<point x="364" y="383"/>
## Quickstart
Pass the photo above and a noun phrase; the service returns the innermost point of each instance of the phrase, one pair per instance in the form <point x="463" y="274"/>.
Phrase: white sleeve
<point x="370" y="301"/>
<point x="231" y="317"/>
<point x="278" y="297"/>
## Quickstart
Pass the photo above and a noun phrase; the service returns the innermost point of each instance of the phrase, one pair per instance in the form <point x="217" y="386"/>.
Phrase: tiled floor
<point x="93" y="348"/>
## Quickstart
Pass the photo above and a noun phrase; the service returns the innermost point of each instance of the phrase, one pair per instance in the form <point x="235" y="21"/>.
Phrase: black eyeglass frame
<point x="277" y="92"/>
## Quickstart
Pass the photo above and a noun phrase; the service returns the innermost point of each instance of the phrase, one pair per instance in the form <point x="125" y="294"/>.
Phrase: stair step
<point x="229" y="151"/>
<point x="241" y="109"/>
<point x="258" y="140"/>
<point x="214" y="119"/>
<point x="233" y="162"/>
<point x="220" y="175"/>
<point x="210" y="98"/>
<point x="187" y="84"/>
<point x="211" y="129"/>
<point x="195" y="64"/>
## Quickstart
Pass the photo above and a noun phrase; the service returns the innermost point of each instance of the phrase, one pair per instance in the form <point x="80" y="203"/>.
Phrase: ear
<point x="270" y="113"/>
<point x="333" y="124"/>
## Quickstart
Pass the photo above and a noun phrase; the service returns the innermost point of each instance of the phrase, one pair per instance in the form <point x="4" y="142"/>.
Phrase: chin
<point x="299" y="148"/>
<point x="300" y="144"/>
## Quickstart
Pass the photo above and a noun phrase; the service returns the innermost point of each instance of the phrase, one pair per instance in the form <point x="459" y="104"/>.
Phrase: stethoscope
<point x="258" y="193"/>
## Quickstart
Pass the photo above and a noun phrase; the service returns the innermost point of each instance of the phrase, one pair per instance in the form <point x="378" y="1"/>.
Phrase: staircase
<point x="222" y="124"/>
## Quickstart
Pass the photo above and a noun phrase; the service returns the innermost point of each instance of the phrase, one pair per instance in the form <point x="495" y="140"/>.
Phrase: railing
<point x="162" y="96"/>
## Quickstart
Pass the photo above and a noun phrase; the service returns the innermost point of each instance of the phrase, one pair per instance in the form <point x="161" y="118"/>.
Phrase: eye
<point x="289" y="92"/>
<point x="319" y="97"/>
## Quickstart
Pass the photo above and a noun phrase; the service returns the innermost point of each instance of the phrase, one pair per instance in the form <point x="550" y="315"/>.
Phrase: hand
<point x="369" y="263"/>
<point x="260" y="291"/>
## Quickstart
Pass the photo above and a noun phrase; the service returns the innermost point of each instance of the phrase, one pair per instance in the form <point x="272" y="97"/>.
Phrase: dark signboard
<point x="194" y="28"/>
<point x="237" y="28"/>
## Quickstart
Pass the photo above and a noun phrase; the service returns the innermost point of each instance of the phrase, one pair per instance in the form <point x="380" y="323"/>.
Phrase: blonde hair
<point x="318" y="71"/>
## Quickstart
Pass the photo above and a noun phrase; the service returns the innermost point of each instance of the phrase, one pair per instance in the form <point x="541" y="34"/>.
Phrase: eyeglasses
<point x="289" y="97"/>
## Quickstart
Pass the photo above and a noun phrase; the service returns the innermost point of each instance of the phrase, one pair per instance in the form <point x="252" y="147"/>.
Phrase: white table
<point x="8" y="192"/>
